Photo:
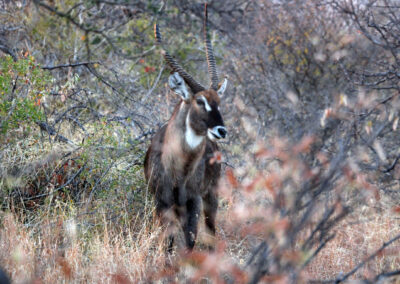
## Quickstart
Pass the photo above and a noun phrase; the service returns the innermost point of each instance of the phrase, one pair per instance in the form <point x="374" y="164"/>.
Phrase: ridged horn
<point x="194" y="86"/>
<point x="212" y="68"/>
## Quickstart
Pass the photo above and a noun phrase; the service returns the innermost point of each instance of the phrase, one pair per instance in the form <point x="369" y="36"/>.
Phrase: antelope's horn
<point x="176" y="67"/>
<point x="212" y="68"/>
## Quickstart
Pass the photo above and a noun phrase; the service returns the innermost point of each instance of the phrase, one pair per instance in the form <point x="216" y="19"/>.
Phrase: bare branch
<point x="70" y="65"/>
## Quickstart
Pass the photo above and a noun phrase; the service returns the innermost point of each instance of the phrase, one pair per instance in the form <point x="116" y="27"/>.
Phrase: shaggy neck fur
<point x="182" y="147"/>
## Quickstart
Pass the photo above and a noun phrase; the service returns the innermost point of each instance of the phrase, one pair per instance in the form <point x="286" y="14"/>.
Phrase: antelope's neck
<point x="192" y="140"/>
<point x="182" y="148"/>
<point x="179" y="128"/>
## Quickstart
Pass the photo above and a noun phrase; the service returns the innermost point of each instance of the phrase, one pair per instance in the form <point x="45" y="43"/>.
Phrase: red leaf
<point x="396" y="209"/>
<point x="60" y="179"/>
<point x="304" y="145"/>
<point x="217" y="158"/>
<point x="120" y="278"/>
<point x="231" y="178"/>
<point x="65" y="267"/>
<point x="149" y="69"/>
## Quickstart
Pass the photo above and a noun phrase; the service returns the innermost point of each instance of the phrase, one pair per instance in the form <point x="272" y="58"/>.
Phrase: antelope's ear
<point x="177" y="84"/>
<point x="222" y="87"/>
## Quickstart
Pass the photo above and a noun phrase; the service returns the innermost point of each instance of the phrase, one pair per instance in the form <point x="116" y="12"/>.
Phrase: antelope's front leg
<point x="210" y="207"/>
<point x="180" y="195"/>
<point x="163" y="211"/>
<point x="193" y="206"/>
<point x="210" y="203"/>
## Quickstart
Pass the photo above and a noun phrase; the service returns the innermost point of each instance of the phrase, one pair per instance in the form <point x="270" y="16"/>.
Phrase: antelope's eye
<point x="200" y="102"/>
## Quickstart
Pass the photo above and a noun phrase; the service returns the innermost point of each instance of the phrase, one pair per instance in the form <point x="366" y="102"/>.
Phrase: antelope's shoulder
<point x="158" y="139"/>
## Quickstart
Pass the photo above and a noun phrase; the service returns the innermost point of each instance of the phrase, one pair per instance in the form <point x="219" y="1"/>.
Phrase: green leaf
<point x="96" y="40"/>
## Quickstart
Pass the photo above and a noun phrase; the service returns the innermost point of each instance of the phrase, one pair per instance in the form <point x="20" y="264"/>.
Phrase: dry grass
<point x="356" y="239"/>
<point x="115" y="240"/>
<point x="61" y="250"/>
<point x="64" y="250"/>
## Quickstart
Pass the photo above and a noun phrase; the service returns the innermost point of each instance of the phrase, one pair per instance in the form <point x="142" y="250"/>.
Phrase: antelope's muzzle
<point x="217" y="132"/>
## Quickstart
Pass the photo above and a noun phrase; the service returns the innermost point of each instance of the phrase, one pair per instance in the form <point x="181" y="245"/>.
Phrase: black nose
<point x="222" y="132"/>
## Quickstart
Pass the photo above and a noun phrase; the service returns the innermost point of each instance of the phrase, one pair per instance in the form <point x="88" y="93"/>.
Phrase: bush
<point x="22" y="85"/>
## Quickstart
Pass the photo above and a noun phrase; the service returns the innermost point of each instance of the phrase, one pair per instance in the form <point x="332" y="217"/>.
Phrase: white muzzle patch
<point x="216" y="133"/>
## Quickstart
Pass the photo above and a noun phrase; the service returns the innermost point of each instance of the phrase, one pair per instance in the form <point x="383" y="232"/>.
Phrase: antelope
<point x="177" y="163"/>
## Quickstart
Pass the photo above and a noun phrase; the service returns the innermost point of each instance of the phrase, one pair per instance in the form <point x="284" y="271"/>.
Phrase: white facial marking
<point x="213" y="134"/>
<point x="206" y="105"/>
<point x="222" y="89"/>
<point x="177" y="84"/>
<point x="192" y="139"/>
<point x="210" y="136"/>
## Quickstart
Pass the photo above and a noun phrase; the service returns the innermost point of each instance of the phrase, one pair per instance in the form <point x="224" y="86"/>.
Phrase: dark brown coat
<point x="182" y="178"/>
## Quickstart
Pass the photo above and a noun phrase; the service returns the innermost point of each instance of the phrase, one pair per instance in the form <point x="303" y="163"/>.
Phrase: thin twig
<point x="320" y="247"/>
<point x="69" y="65"/>
<point x="59" y="188"/>
<point x="393" y="165"/>
<point x="372" y="256"/>
<point x="51" y="131"/>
